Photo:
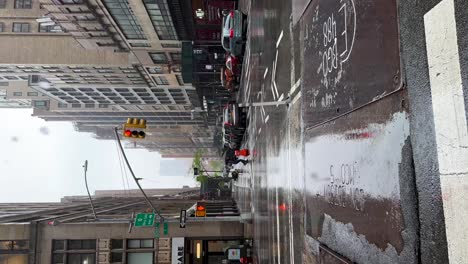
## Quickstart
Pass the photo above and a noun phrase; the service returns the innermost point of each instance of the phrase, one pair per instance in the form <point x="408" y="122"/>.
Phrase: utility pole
<point x="133" y="174"/>
<point x="85" y="166"/>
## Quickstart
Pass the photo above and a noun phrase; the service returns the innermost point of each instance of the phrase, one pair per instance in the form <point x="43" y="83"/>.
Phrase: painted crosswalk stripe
<point x="450" y="124"/>
<point x="294" y="87"/>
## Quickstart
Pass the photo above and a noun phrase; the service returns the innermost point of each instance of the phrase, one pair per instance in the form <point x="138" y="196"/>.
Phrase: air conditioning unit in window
<point x="104" y="244"/>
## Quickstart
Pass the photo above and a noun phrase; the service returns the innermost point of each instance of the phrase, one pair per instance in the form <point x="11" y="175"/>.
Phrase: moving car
<point x="232" y="32"/>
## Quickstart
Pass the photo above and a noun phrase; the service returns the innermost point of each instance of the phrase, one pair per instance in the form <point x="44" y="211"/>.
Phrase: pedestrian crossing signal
<point x="200" y="210"/>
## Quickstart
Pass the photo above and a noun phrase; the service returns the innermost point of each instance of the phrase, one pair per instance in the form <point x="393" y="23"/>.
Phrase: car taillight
<point x="231" y="33"/>
<point x="231" y="14"/>
<point x="244" y="260"/>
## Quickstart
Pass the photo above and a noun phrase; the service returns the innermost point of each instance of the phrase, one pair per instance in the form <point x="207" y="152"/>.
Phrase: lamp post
<point x="85" y="166"/>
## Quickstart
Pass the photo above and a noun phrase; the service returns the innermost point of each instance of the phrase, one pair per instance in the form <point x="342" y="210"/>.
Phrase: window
<point x="140" y="258"/>
<point x="21" y="27"/>
<point x="170" y="45"/>
<point x="79" y="258"/>
<point x="10" y="245"/>
<point x="71" y="1"/>
<point x="140" y="243"/>
<point x="40" y="104"/>
<point x="89" y="105"/>
<point x="2" y="26"/>
<point x="17" y="93"/>
<point x="158" y="57"/>
<point x="140" y="45"/>
<point x="176" y="57"/>
<point x="103" y="106"/>
<point x="76" y="105"/>
<point x="74" y="251"/>
<point x="161" y="80"/>
<point x="180" y="80"/>
<point x="3" y="3"/>
<point x="23" y="4"/>
<point x="33" y="94"/>
<point x="82" y="244"/>
<point x="161" y="19"/>
<point x="45" y="28"/>
<point x="62" y="105"/>
<point x="123" y="15"/>
<point x="155" y="70"/>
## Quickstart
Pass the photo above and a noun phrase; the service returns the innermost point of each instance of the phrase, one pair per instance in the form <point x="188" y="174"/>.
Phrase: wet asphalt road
<point x="270" y="189"/>
<point x="333" y="166"/>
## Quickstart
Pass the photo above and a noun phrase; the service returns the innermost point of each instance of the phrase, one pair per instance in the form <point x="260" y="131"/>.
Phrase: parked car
<point x="228" y="79"/>
<point x="232" y="38"/>
<point x="235" y="117"/>
<point x="233" y="64"/>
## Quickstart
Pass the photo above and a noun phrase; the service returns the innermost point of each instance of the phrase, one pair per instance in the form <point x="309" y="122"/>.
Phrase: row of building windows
<point x="161" y="58"/>
<point x="123" y="15"/>
<point x="84" y="251"/>
<point x="161" y="19"/>
<point x="26" y="27"/>
<point x="28" y="93"/>
<point x="19" y="4"/>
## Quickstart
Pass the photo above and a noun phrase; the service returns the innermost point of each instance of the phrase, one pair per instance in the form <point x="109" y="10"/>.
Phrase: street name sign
<point x="144" y="219"/>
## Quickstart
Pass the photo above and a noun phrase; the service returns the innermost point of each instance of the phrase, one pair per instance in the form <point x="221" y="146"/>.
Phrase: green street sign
<point x="144" y="220"/>
<point x="156" y="230"/>
<point x="166" y="229"/>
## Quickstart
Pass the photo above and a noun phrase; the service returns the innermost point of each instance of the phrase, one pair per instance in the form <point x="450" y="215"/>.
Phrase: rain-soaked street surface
<point x="270" y="191"/>
<point x="331" y="171"/>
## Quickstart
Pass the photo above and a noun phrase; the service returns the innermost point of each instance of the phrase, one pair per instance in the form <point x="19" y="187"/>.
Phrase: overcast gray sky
<point x="42" y="161"/>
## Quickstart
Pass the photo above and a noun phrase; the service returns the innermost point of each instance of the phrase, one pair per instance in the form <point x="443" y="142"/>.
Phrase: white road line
<point x="297" y="97"/>
<point x="266" y="72"/>
<point x="280" y="99"/>
<point x="294" y="87"/>
<point x="273" y="90"/>
<point x="279" y="39"/>
<point x="450" y="122"/>
<point x="267" y="118"/>
<point x="259" y="131"/>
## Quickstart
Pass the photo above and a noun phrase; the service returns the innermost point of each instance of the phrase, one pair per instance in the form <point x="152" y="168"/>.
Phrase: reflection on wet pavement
<point x="270" y="191"/>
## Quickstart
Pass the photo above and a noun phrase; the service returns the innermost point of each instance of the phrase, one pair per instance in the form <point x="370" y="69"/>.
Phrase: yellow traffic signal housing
<point x="135" y="123"/>
<point x="134" y="128"/>
<point x="200" y="210"/>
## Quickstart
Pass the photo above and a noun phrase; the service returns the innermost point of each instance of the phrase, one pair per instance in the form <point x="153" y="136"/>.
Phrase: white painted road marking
<point x="266" y="72"/>
<point x="279" y="39"/>
<point x="299" y="94"/>
<point x="267" y="118"/>
<point x="294" y="87"/>
<point x="450" y="123"/>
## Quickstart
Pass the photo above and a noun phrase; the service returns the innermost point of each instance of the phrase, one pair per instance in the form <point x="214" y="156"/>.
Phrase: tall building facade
<point x="68" y="233"/>
<point x="97" y="62"/>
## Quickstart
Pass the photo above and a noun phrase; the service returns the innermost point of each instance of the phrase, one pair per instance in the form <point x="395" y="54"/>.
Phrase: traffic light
<point x="200" y="210"/>
<point x="134" y="128"/>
